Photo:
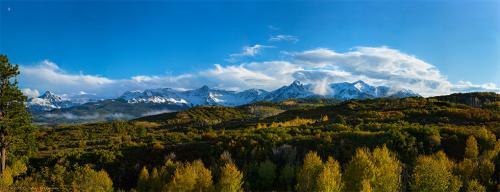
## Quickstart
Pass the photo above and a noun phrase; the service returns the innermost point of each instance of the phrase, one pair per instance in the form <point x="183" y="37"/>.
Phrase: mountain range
<point x="50" y="107"/>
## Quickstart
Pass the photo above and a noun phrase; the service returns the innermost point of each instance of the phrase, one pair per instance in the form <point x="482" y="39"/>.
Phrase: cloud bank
<point x="321" y="66"/>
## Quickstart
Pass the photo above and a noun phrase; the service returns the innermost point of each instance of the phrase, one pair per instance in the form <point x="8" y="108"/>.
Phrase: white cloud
<point x="30" y="93"/>
<point x="467" y="86"/>
<point x="251" y="50"/>
<point x="156" y="112"/>
<point x="247" y="51"/>
<point x="48" y="76"/>
<point x="50" y="72"/>
<point x="290" y="38"/>
<point x="234" y="76"/>
<point x="264" y="75"/>
<point x="374" y="65"/>
<point x="379" y="65"/>
<point x="71" y="116"/>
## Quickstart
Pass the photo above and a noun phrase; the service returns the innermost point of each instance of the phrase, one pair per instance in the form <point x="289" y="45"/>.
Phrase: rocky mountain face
<point x="208" y="96"/>
<point x="167" y="99"/>
<point x="48" y="101"/>
<point x="201" y="96"/>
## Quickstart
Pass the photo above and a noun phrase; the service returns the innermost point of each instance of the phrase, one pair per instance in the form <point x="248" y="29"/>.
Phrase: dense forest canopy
<point x="445" y="143"/>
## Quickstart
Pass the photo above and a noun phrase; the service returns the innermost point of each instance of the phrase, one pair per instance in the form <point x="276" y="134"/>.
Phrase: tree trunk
<point x="4" y="157"/>
<point x="3" y="152"/>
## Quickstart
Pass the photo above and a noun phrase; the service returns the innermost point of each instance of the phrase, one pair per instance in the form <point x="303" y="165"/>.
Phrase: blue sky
<point x="167" y="39"/>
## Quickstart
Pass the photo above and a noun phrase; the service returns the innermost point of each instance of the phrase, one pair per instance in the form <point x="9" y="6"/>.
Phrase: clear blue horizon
<point x="160" y="42"/>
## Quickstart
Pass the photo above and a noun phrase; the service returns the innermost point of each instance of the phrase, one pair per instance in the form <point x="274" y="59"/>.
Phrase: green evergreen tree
<point x="15" y="129"/>
<point x="267" y="173"/>
<point x="287" y="176"/>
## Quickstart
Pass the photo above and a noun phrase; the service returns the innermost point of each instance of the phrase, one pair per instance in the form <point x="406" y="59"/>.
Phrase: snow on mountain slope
<point x="361" y="90"/>
<point x="48" y="101"/>
<point x="208" y="96"/>
<point x="82" y="98"/>
<point x="356" y="90"/>
<point x="161" y="95"/>
<point x="51" y="108"/>
<point x="200" y="96"/>
<point x="294" y="90"/>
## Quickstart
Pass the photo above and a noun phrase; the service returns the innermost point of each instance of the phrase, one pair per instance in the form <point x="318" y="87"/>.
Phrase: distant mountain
<point x="48" y="101"/>
<point x="82" y="98"/>
<point x="362" y="90"/>
<point x="132" y="104"/>
<point x="103" y="110"/>
<point x="201" y="96"/>
<point x="294" y="90"/>
<point x="340" y="91"/>
<point x="208" y="96"/>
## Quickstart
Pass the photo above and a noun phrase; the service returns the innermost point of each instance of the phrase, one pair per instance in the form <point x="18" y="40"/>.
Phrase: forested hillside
<point x="410" y="144"/>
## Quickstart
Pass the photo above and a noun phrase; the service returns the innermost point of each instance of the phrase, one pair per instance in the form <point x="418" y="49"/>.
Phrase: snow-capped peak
<point x="208" y="96"/>
<point x="295" y="90"/>
<point x="50" y="96"/>
<point x="360" y="85"/>
<point x="48" y="101"/>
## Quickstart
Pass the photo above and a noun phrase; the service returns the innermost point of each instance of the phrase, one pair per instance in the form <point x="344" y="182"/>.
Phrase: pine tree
<point x="231" y="179"/>
<point x="15" y="128"/>
<point x="287" y="175"/>
<point x="267" y="173"/>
